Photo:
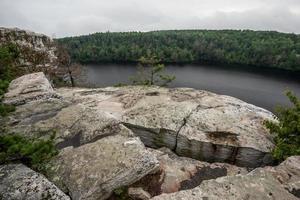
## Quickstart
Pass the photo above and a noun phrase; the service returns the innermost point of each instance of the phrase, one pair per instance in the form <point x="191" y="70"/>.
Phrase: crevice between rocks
<point x="182" y="125"/>
<point x="177" y="134"/>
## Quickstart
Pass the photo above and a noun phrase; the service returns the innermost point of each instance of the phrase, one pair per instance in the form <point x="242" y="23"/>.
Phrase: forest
<point x="242" y="47"/>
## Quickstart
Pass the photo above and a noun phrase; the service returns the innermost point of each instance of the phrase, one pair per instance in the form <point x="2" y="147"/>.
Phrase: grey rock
<point x="181" y="173"/>
<point x="96" y="131"/>
<point x="94" y="170"/>
<point x="28" y="88"/>
<point x="31" y="45"/>
<point x="257" y="185"/>
<point x="20" y="182"/>
<point x="279" y="182"/>
<point x="98" y="154"/>
<point x="194" y="123"/>
<point x="288" y="174"/>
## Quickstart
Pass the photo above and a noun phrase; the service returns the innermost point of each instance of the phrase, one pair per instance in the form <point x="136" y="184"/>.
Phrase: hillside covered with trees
<point x="257" y="48"/>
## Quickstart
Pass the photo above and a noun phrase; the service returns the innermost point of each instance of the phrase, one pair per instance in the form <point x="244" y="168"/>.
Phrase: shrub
<point x="150" y="72"/>
<point x="31" y="152"/>
<point x="8" y="55"/>
<point x="287" y="131"/>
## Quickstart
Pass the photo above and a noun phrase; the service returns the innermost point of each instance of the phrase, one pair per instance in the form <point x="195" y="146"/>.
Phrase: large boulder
<point x="20" y="182"/>
<point x="29" y="87"/>
<point x="95" y="170"/>
<point x="193" y="123"/>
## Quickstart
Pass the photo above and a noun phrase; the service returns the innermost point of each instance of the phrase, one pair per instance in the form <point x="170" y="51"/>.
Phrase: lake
<point x="264" y="88"/>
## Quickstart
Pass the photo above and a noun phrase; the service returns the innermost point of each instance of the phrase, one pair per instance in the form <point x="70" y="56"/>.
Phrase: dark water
<point x="264" y="88"/>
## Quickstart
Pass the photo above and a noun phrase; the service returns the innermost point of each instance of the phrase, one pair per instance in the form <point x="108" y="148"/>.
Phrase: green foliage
<point x="150" y="72"/>
<point x="6" y="109"/>
<point x="120" y="85"/>
<point x="121" y="194"/>
<point x="32" y="152"/>
<point x="8" y="55"/>
<point x="287" y="131"/>
<point x="257" y="48"/>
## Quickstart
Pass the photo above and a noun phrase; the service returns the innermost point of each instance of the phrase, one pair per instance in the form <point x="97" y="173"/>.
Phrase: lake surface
<point x="264" y="88"/>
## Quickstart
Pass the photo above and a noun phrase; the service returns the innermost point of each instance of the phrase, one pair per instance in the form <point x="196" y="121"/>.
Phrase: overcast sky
<point x="74" y="17"/>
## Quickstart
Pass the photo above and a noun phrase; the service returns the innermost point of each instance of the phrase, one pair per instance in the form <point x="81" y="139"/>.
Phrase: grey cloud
<point x="75" y="17"/>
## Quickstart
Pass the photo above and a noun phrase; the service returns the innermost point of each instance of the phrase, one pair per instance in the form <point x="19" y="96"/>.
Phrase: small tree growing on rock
<point x="287" y="131"/>
<point x="150" y="72"/>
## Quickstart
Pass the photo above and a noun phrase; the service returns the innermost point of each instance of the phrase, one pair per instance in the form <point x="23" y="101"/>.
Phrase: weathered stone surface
<point x="288" y="174"/>
<point x="96" y="129"/>
<point x="194" y="123"/>
<point x="279" y="182"/>
<point x="94" y="170"/>
<point x="28" y="88"/>
<point x="181" y="173"/>
<point x="138" y="194"/>
<point x="19" y="182"/>
<point x="98" y="153"/>
<point x="36" y="50"/>
<point x="253" y="186"/>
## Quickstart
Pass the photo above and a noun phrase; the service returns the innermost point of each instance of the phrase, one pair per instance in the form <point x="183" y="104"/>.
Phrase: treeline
<point x="257" y="48"/>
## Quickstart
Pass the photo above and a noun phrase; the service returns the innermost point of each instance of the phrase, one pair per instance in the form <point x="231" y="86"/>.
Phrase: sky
<point x="60" y="18"/>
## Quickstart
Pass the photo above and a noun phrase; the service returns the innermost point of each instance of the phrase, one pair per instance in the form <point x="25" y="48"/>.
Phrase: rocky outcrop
<point x="288" y="174"/>
<point x="36" y="50"/>
<point x="98" y="154"/>
<point x="181" y="173"/>
<point x="193" y="123"/>
<point x="101" y="135"/>
<point x="28" y="88"/>
<point x="281" y="182"/>
<point x="19" y="182"/>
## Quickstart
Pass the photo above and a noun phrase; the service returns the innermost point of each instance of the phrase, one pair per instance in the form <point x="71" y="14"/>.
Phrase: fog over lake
<point x="264" y="88"/>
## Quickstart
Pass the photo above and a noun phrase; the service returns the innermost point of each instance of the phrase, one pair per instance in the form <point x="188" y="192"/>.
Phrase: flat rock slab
<point x="20" y="182"/>
<point x="95" y="170"/>
<point x="193" y="123"/>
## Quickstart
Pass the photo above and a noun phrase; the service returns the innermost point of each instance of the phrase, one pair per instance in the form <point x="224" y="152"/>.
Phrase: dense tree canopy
<point x="258" y="48"/>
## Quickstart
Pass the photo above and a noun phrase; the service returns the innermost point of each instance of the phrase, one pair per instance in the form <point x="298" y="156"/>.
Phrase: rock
<point x="96" y="131"/>
<point x="95" y="170"/>
<point x="19" y="182"/>
<point x="37" y="51"/>
<point x="28" y="88"/>
<point x="279" y="182"/>
<point x="138" y="194"/>
<point x="193" y="123"/>
<point x="98" y="154"/>
<point x="181" y="173"/>
<point x="288" y="174"/>
<point x="253" y="186"/>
